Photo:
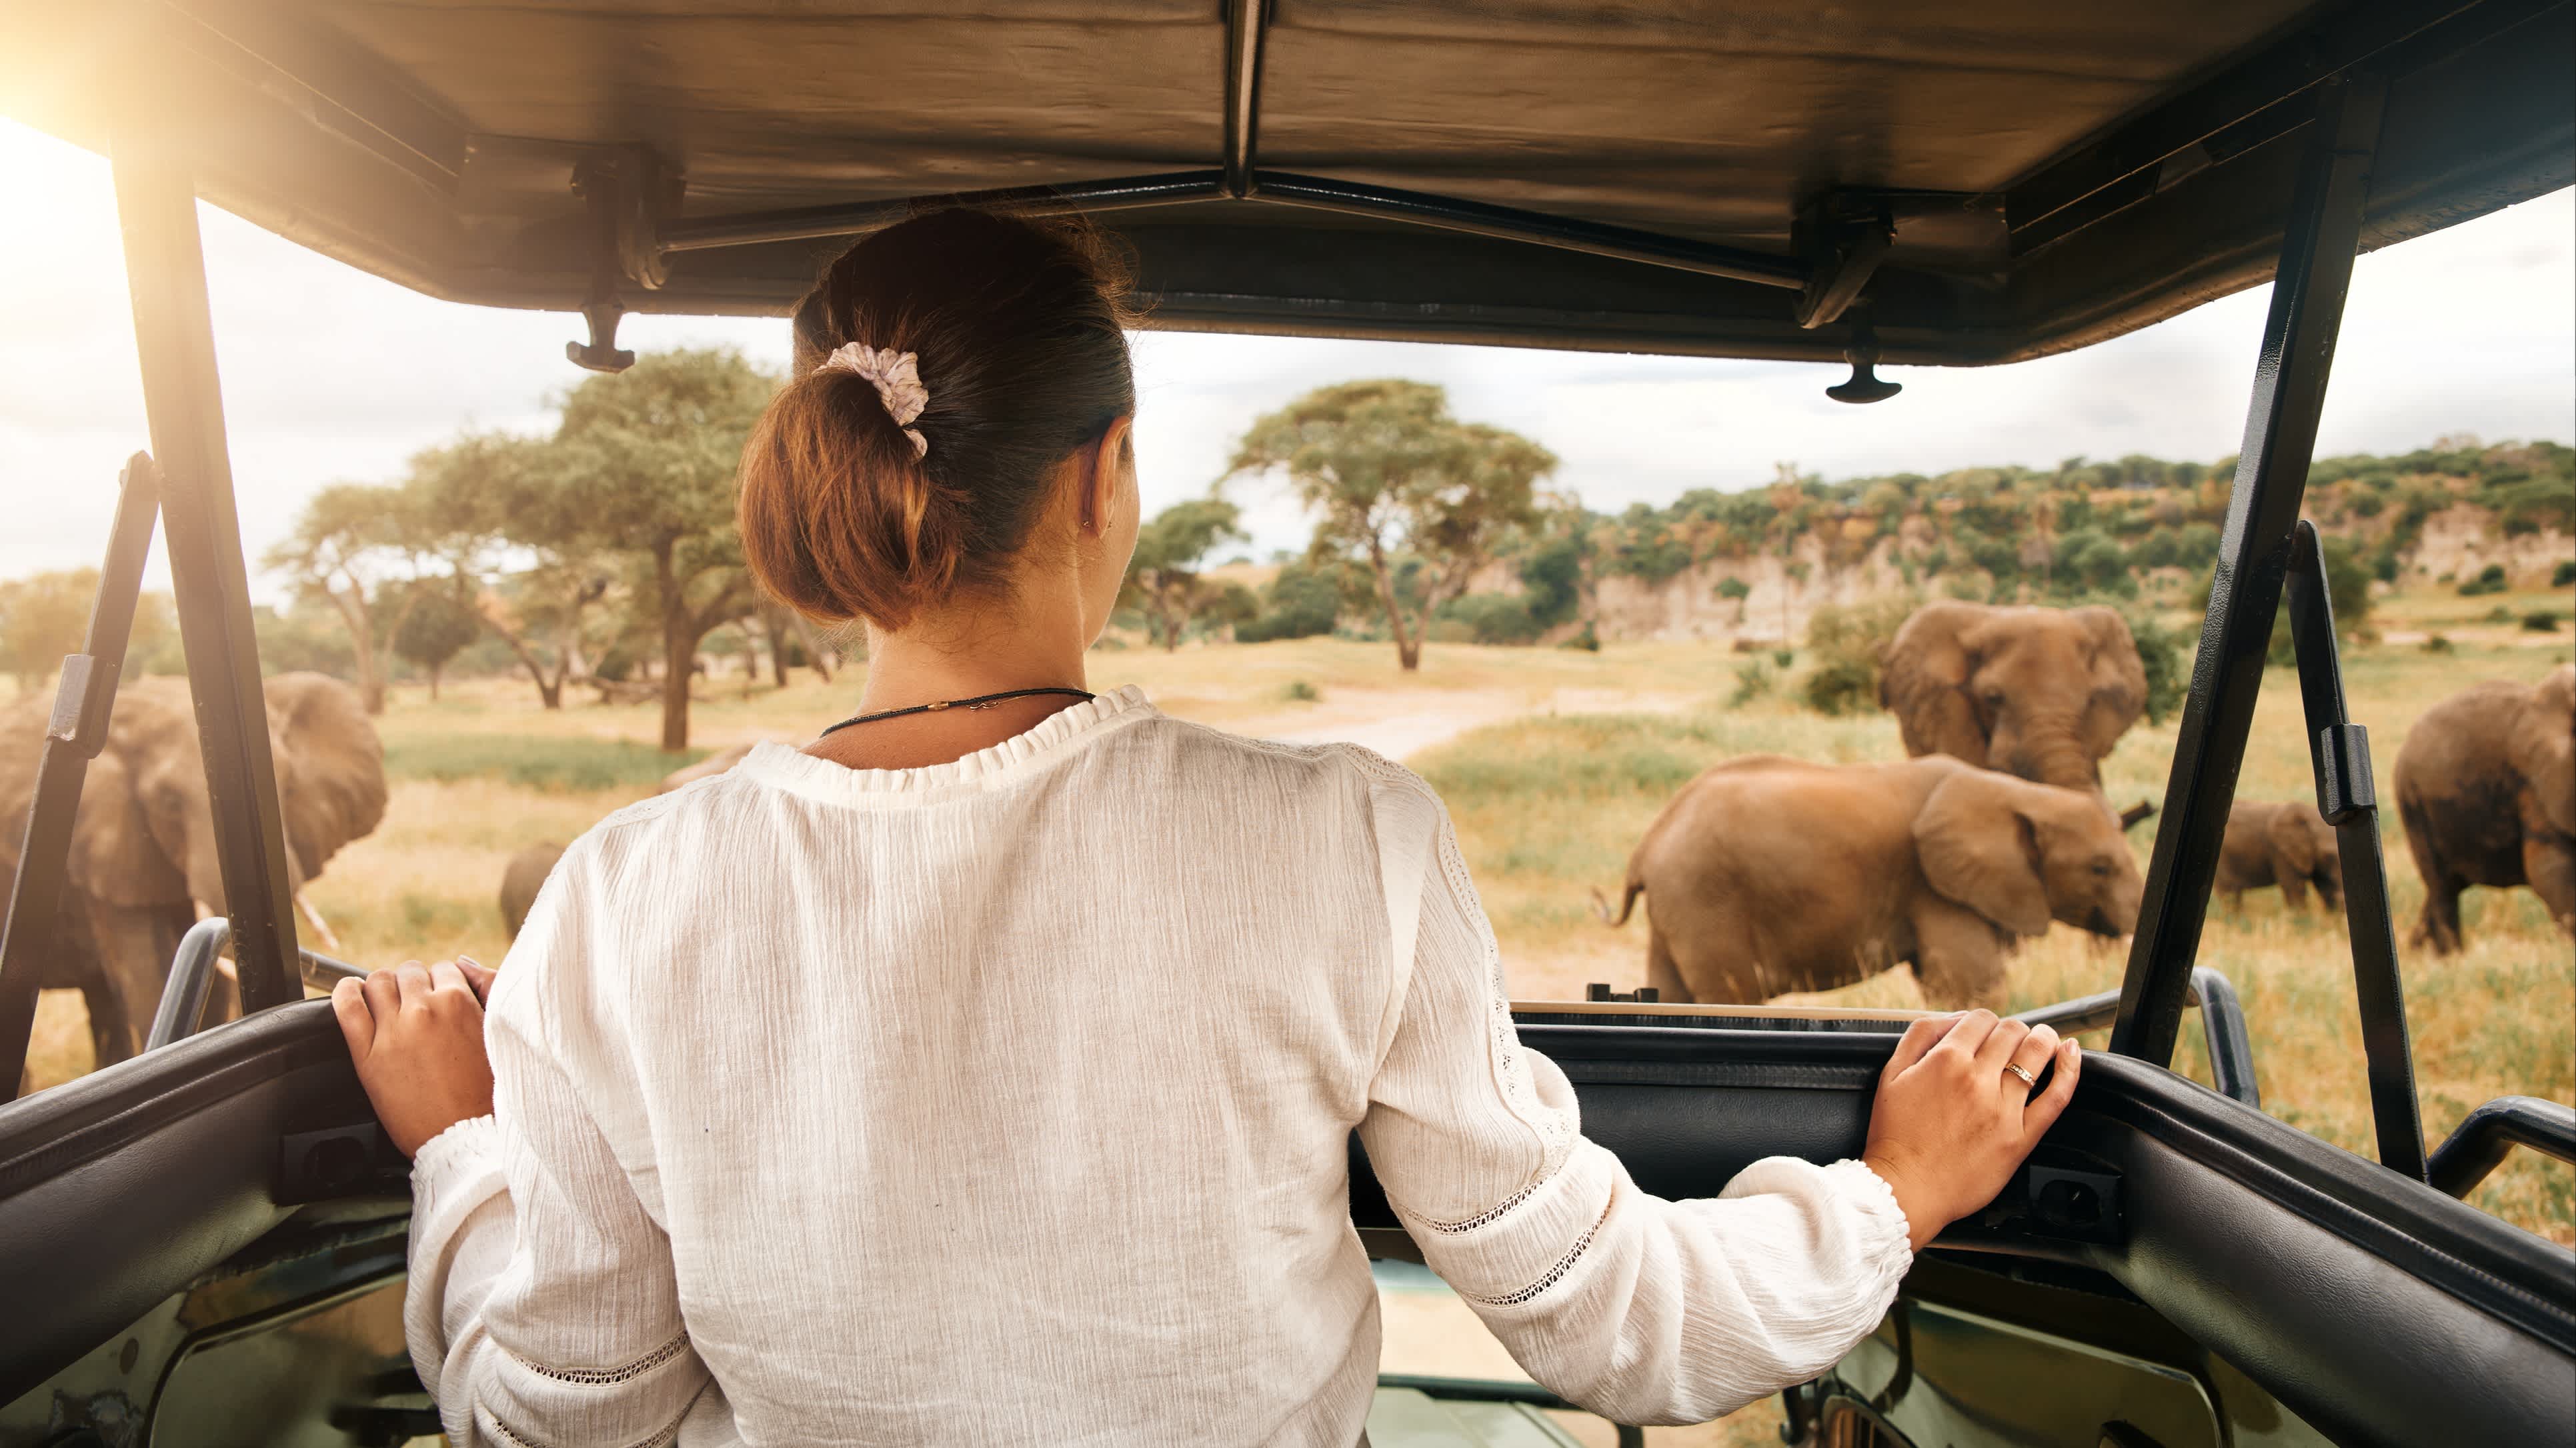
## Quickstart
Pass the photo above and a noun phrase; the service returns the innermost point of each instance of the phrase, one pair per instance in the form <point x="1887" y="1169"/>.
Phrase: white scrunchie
<point x="898" y="379"/>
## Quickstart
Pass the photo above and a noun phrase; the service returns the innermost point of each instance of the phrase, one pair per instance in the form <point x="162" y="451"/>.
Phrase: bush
<point x="2165" y="652"/>
<point x="1587" y="640"/>
<point x="2499" y="614"/>
<point x="1494" y="618"/>
<point x="1298" y="691"/>
<point x="2436" y="644"/>
<point x="1841" y="686"/>
<point x="2490" y="579"/>
<point x="1552" y="580"/>
<point x="1752" y="681"/>
<point x="2564" y="574"/>
<point x="2542" y="621"/>
<point x="1299" y="603"/>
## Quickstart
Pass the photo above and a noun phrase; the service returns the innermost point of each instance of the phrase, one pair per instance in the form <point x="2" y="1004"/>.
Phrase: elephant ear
<point x="1977" y="847"/>
<point x="1923" y="681"/>
<point x="331" y="770"/>
<point x="2292" y="833"/>
<point x="2543" y="745"/>
<point x="114" y="856"/>
<point x="2119" y="678"/>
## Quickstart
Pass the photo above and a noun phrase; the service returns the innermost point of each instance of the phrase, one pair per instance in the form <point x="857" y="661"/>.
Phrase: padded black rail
<point x="2487" y="1135"/>
<point x="2222" y="1024"/>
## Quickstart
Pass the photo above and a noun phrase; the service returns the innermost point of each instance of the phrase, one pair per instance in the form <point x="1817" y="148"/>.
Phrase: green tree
<point x="437" y="624"/>
<point x="1391" y="473"/>
<point x="1164" y="579"/>
<point x="352" y="541"/>
<point x="646" y="460"/>
<point x="43" y="618"/>
<point x="504" y="512"/>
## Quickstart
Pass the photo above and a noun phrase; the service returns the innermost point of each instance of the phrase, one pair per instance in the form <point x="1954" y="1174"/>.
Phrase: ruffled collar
<point x="1061" y="733"/>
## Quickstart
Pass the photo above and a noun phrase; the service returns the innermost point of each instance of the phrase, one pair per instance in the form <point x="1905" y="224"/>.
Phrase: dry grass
<point x="1548" y="802"/>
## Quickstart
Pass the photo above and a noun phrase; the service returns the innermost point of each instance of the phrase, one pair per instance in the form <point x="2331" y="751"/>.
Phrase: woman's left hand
<point x="417" y="1038"/>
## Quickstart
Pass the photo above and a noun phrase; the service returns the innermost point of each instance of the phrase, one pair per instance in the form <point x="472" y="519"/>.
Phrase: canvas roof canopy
<point x="1975" y="180"/>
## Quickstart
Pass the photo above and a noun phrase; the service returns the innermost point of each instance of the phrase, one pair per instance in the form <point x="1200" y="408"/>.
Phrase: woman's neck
<point x="960" y="654"/>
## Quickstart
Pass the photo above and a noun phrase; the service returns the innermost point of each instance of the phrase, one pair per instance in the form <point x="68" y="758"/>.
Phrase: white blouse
<point x="1005" y="1102"/>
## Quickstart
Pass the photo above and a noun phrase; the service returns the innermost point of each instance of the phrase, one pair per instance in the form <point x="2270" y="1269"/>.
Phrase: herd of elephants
<point x="1994" y="826"/>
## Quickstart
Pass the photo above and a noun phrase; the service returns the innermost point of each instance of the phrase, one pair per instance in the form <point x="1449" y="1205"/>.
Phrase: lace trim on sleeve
<point x="1554" y="1274"/>
<point x="1489" y="1215"/>
<point x="601" y="1377"/>
<point x="663" y="1439"/>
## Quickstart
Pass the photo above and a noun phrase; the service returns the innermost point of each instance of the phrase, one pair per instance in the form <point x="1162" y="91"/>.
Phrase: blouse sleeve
<point x="543" y="1306"/>
<point x="1640" y="1309"/>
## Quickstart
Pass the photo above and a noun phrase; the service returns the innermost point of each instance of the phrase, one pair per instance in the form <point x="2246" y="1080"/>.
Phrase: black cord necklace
<point x="980" y="701"/>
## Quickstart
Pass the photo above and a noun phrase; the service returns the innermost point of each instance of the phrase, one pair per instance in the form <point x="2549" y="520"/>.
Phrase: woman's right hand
<point x="1951" y="1124"/>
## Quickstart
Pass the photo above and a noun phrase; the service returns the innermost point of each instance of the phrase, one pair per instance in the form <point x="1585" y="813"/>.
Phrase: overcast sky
<point x="331" y="374"/>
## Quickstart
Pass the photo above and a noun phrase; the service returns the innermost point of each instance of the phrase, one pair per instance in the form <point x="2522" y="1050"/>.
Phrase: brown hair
<point x="1020" y="331"/>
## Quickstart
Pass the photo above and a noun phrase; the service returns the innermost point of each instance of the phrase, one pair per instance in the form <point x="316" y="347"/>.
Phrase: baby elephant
<point x="522" y="879"/>
<point x="2285" y="843"/>
<point x="1769" y="874"/>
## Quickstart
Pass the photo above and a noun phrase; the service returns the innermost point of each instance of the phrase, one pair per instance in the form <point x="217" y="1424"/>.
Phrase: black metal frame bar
<point x="192" y="979"/>
<point x="84" y="700"/>
<point x="2222" y="1026"/>
<point x="2339" y="752"/>
<point x="156" y="205"/>
<point x="2483" y="1139"/>
<point x="1317" y="193"/>
<point x="2315" y="272"/>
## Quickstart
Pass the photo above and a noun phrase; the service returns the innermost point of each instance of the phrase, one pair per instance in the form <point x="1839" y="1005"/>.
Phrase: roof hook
<point x="1864" y="385"/>
<point x="621" y="189"/>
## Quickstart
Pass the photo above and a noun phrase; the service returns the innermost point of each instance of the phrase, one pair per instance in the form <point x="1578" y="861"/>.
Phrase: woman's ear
<point x="1107" y="470"/>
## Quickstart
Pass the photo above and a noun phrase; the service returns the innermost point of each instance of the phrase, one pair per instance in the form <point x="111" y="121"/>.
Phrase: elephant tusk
<point x="321" y="927"/>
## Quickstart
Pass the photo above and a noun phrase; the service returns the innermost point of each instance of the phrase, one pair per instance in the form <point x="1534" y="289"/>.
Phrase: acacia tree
<point x="504" y="508"/>
<point x="1164" y="579"/>
<point x="646" y="461"/>
<point x="351" y="542"/>
<point x="1391" y="473"/>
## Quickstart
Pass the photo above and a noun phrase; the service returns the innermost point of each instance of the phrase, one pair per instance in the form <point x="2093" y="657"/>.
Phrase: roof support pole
<point x="2254" y="556"/>
<point x="1244" y="21"/>
<point x="174" y="338"/>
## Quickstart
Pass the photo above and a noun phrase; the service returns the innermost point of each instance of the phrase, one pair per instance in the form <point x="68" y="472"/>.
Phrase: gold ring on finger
<point x="2029" y="1082"/>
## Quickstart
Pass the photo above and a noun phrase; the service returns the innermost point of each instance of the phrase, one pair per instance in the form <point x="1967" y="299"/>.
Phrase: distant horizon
<point x="330" y="374"/>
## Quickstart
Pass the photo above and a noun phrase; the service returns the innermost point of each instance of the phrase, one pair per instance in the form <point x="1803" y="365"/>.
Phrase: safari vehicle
<point x="206" y="1243"/>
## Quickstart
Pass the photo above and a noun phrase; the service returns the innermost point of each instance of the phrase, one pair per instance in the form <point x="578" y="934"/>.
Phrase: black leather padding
<point x="2380" y="1310"/>
<point x="120" y="1188"/>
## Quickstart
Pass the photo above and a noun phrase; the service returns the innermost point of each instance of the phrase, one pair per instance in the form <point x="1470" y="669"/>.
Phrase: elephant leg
<point x="132" y="966"/>
<point x="1662" y="973"/>
<point x="2550" y="866"/>
<point x="1959" y="962"/>
<point x="2294" y="892"/>
<point x="2440" y="925"/>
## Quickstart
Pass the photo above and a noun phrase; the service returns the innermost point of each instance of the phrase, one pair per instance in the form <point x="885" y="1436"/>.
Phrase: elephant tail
<point x="1627" y="902"/>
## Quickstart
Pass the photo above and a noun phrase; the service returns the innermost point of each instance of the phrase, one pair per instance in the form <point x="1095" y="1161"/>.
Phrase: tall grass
<point x="533" y="761"/>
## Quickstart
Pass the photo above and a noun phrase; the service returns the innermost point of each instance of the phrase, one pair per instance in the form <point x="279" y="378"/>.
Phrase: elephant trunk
<point x="2051" y="750"/>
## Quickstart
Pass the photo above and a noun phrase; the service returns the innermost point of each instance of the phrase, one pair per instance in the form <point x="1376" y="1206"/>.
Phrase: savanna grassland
<point x="1552" y="762"/>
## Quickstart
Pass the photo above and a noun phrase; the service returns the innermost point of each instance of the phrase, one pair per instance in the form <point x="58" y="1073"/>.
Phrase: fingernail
<point x="469" y="960"/>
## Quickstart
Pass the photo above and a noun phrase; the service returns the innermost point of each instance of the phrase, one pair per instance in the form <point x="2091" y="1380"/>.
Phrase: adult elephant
<point x="2280" y="842"/>
<point x="2042" y="693"/>
<point x="522" y="879"/>
<point x="2486" y="785"/>
<point x="143" y="850"/>
<point x="1769" y="874"/>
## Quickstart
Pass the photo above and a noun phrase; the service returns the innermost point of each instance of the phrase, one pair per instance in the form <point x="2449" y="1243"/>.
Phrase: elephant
<point x="521" y="879"/>
<point x="2488" y="796"/>
<point x="2285" y="843"/>
<point x="2042" y="693"/>
<point x="1769" y="874"/>
<point x="143" y="851"/>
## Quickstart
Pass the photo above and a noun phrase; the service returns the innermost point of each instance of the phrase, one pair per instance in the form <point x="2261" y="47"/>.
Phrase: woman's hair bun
<point x="1018" y="331"/>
